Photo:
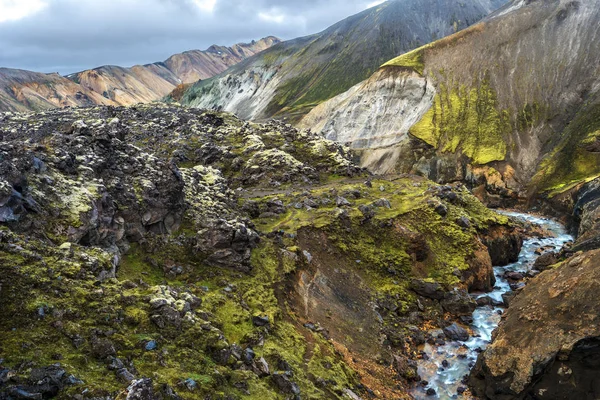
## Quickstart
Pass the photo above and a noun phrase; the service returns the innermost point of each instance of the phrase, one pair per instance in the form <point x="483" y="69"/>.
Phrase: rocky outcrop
<point x="290" y="79"/>
<point x="503" y="244"/>
<point x="546" y="346"/>
<point x="587" y="212"/>
<point x="113" y="85"/>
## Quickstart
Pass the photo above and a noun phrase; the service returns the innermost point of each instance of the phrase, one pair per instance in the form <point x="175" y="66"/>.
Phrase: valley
<point x="403" y="206"/>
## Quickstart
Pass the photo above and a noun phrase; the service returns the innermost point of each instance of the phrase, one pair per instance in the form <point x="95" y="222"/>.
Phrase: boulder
<point x="431" y="290"/>
<point x="458" y="302"/>
<point x="456" y="332"/>
<point x="545" y="260"/>
<point x="503" y="243"/>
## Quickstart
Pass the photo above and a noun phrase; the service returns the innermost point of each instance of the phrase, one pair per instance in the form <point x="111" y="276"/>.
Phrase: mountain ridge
<point x="288" y="80"/>
<point x="22" y="90"/>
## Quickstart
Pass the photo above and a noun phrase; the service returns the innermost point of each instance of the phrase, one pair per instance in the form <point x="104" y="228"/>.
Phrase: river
<point x="444" y="366"/>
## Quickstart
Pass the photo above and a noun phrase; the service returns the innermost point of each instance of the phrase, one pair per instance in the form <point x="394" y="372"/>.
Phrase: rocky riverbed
<point x="448" y="359"/>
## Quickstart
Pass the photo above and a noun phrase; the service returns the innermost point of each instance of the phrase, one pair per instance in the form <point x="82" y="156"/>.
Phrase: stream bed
<point x="444" y="367"/>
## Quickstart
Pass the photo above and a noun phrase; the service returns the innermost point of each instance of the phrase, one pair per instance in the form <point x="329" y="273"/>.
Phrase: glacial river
<point x="444" y="367"/>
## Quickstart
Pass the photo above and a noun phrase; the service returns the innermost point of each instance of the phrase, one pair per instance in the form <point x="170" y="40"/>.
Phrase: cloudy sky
<point x="71" y="35"/>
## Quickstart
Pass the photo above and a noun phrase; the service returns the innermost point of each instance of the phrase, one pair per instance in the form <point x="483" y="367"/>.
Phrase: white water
<point x="462" y="356"/>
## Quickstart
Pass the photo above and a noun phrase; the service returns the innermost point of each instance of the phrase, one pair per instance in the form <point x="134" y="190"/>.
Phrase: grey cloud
<point x="70" y="35"/>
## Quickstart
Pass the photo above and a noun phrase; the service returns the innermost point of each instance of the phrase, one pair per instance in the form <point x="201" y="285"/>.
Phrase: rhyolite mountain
<point x="112" y="85"/>
<point x="288" y="80"/>
<point x="512" y="102"/>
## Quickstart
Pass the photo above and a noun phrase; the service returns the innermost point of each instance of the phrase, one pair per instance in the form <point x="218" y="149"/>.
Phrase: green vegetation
<point x="413" y="60"/>
<point x="466" y="120"/>
<point x="572" y="162"/>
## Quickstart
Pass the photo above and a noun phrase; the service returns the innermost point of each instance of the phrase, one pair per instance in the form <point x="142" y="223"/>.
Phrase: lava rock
<point x="141" y="390"/>
<point x="284" y="383"/>
<point x="260" y="320"/>
<point x="431" y="290"/>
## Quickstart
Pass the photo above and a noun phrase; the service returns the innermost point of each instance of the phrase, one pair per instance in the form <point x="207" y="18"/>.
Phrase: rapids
<point x="461" y="356"/>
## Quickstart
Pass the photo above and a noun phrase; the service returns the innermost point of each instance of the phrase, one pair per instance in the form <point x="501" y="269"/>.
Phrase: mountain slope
<point x="25" y="90"/>
<point x="293" y="77"/>
<point x="112" y="85"/>
<point x="515" y="91"/>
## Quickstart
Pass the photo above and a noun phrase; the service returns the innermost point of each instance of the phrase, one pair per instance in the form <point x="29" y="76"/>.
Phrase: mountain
<point x="291" y="78"/>
<point x="25" y="90"/>
<point x="113" y="85"/>
<point x="512" y="102"/>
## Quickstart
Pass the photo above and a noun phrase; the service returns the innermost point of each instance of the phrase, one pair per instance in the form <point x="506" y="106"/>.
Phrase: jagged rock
<point x="458" y="302"/>
<point x="141" y="390"/>
<point x="547" y="332"/>
<point x="284" y="382"/>
<point x="261" y="367"/>
<point x="430" y="290"/>
<point x="456" y="332"/>
<point x="504" y="244"/>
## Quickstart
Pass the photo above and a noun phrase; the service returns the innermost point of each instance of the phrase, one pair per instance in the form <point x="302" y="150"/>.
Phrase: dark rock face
<point x="587" y="211"/>
<point x="574" y="375"/>
<point x="504" y="245"/>
<point x="547" y="345"/>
